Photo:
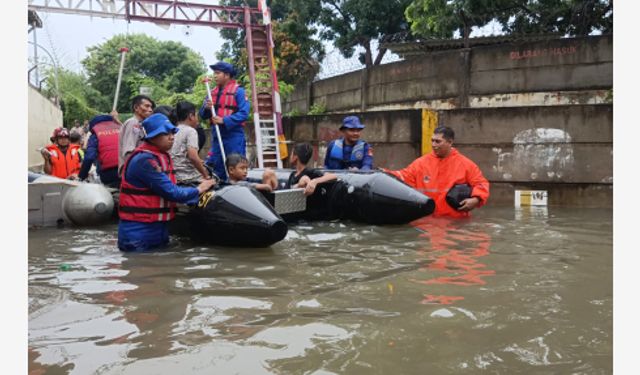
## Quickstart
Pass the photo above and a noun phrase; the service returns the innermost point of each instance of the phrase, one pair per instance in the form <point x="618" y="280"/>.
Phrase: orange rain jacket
<point x="434" y="176"/>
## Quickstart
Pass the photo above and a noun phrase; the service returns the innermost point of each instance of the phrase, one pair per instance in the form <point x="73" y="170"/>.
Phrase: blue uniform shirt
<point x="90" y="156"/>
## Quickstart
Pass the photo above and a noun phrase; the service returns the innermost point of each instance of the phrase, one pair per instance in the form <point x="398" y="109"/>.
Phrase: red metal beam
<point x="157" y="11"/>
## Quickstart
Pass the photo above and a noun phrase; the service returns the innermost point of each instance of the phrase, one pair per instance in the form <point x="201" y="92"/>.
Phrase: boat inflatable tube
<point x="236" y="216"/>
<point x="82" y="203"/>
<point x="367" y="197"/>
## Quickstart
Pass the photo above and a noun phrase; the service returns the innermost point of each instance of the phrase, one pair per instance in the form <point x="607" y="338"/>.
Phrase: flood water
<point x="524" y="291"/>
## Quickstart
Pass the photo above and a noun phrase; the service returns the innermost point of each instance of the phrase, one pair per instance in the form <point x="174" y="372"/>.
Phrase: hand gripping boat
<point x="368" y="197"/>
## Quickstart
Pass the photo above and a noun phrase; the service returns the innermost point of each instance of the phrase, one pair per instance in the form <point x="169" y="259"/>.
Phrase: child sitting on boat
<point x="304" y="177"/>
<point x="237" y="169"/>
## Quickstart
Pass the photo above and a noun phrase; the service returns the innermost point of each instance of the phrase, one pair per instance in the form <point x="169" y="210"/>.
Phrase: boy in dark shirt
<point x="304" y="177"/>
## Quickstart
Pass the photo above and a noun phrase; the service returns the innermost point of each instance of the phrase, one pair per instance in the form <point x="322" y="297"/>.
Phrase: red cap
<point x="60" y="132"/>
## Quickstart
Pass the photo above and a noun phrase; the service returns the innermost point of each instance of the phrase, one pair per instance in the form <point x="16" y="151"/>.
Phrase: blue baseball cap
<point x="352" y="122"/>
<point x="224" y="67"/>
<point x="157" y="124"/>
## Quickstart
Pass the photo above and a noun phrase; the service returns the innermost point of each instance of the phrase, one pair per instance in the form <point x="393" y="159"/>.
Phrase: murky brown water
<point x="510" y="291"/>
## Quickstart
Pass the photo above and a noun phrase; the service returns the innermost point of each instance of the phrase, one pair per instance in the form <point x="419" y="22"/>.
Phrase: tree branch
<point x="381" y="53"/>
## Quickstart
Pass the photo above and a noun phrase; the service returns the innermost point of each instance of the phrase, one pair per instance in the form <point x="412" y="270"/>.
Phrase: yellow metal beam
<point x="429" y="124"/>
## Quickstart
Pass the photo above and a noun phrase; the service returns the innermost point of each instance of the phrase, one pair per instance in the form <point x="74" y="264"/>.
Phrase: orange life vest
<point x="142" y="204"/>
<point x="64" y="164"/>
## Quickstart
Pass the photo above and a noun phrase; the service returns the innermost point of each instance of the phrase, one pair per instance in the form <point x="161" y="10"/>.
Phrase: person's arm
<point x="205" y="110"/>
<point x="191" y="143"/>
<point x="129" y="139"/>
<point x="310" y="186"/>
<point x="47" y="160"/>
<point x="90" y="155"/>
<point x="237" y="118"/>
<point x="116" y="117"/>
<point x="479" y="188"/>
<point x="367" y="162"/>
<point x="263" y="187"/>
<point x="410" y="174"/>
<point x="198" y="164"/>
<point x="144" y="171"/>
<point x="327" y="155"/>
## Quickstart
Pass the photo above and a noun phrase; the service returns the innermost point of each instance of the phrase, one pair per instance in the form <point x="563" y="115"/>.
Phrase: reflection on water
<point x="509" y="291"/>
<point x="453" y="249"/>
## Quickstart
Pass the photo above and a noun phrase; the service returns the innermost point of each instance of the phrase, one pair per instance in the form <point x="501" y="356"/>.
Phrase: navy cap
<point x="224" y="67"/>
<point x="157" y="124"/>
<point x="352" y="122"/>
<point x="98" y="119"/>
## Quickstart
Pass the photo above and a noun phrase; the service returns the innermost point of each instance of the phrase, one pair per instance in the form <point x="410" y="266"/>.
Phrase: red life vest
<point x="227" y="105"/>
<point x="142" y="204"/>
<point x="107" y="133"/>
<point x="63" y="165"/>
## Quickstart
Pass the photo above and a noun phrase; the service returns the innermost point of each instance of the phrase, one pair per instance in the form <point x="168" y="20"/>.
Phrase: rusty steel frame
<point x="156" y="11"/>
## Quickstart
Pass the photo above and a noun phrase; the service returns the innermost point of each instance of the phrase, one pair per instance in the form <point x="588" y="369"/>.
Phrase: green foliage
<point x="568" y="17"/>
<point x="297" y="52"/>
<point x="77" y="99"/>
<point x="292" y="113"/>
<point x="317" y="109"/>
<point x="75" y="108"/>
<point x="350" y="23"/>
<point x="165" y="66"/>
<point x="443" y="18"/>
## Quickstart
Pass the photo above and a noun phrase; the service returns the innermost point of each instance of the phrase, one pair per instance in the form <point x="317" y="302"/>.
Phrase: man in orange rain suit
<point x="436" y="173"/>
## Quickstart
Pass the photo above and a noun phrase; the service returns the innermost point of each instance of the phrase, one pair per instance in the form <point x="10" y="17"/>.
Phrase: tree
<point x="569" y="17"/>
<point x="442" y="18"/>
<point x="77" y="99"/>
<point x="351" y="23"/>
<point x="165" y="66"/>
<point x="297" y="52"/>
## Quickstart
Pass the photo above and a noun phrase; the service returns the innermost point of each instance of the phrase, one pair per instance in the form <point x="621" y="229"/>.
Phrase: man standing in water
<point x="148" y="192"/>
<point x="435" y="174"/>
<point x="231" y="111"/>
<point x="131" y="133"/>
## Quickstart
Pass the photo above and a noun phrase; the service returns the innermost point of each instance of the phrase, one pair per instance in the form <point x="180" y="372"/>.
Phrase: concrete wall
<point x="43" y="117"/>
<point x="552" y="72"/>
<point x="566" y="150"/>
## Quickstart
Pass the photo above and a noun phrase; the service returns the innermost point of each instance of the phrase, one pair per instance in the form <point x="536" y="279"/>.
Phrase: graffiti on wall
<point x="538" y="154"/>
<point x="541" y="52"/>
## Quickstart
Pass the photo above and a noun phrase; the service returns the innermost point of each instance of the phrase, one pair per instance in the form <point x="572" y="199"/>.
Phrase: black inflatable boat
<point x="368" y="197"/>
<point x="232" y="215"/>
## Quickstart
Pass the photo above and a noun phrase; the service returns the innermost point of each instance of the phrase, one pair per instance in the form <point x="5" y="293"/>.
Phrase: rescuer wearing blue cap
<point x="349" y="151"/>
<point x="231" y="112"/>
<point x="148" y="191"/>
